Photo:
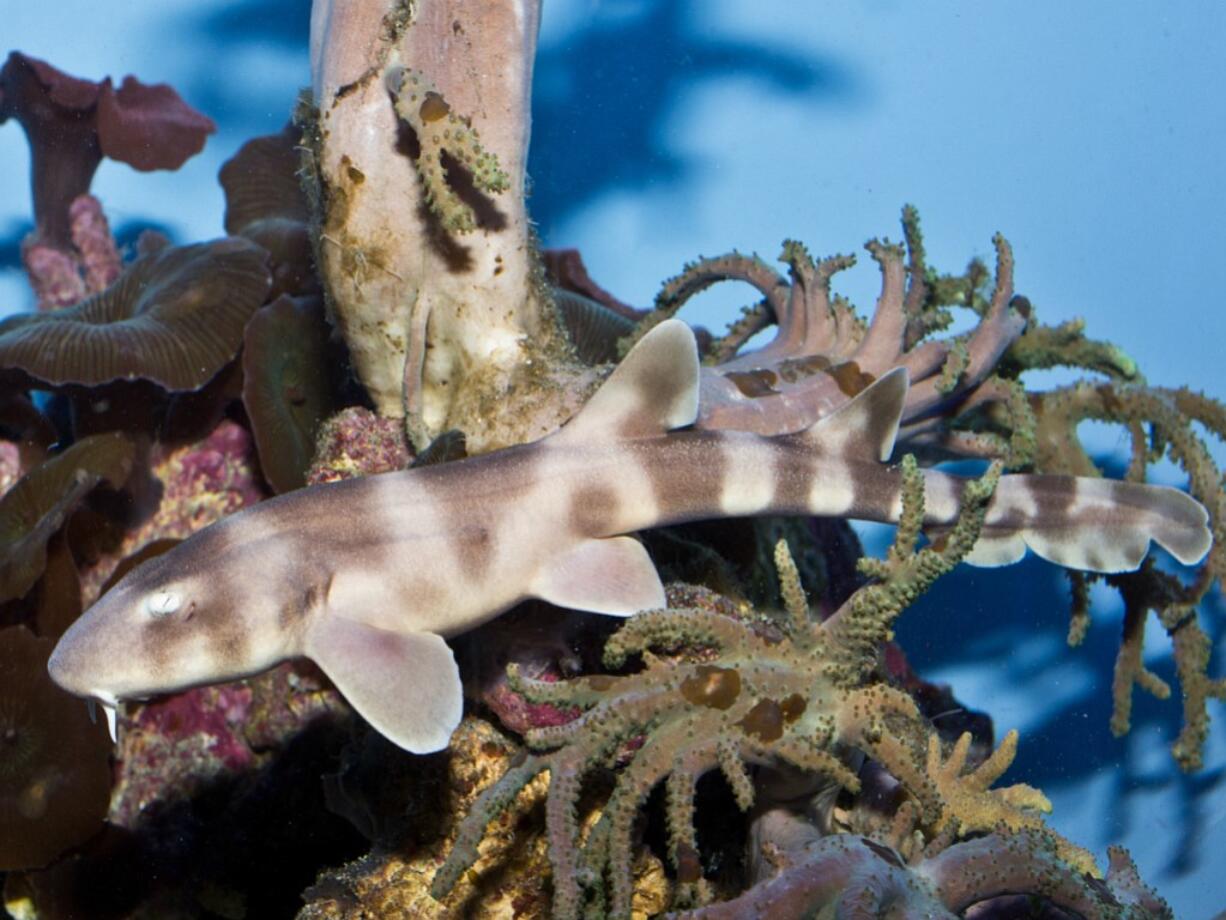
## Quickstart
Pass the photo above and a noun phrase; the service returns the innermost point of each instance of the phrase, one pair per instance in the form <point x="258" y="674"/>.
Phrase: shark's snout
<point x="80" y="665"/>
<point x="69" y="667"/>
<point x="65" y="668"/>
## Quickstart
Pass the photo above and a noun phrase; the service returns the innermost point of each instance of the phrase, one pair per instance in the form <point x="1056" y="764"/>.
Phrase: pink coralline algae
<point x="200" y="483"/>
<point x="64" y="276"/>
<point x="517" y="713"/>
<point x="210" y="479"/>
<point x="10" y="465"/>
<point x="356" y="442"/>
<point x="172" y="748"/>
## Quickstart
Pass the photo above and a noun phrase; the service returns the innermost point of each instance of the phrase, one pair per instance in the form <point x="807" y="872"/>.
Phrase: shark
<point x="369" y="577"/>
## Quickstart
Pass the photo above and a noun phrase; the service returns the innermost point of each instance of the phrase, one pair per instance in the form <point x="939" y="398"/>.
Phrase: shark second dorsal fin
<point x="867" y="426"/>
<point x="653" y="390"/>
<point x="406" y="685"/>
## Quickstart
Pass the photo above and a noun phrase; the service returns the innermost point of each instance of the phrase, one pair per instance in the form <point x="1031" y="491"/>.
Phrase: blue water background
<point x="1091" y="134"/>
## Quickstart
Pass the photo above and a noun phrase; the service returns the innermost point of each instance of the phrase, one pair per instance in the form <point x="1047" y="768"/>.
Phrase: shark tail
<point x="1100" y="525"/>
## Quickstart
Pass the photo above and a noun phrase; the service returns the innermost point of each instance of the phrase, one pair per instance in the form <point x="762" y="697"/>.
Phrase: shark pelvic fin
<point x="653" y="390"/>
<point x="406" y="685"/>
<point x="614" y="576"/>
<point x="867" y="426"/>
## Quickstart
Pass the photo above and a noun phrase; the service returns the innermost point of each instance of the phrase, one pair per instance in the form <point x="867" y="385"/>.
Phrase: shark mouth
<point x="110" y="708"/>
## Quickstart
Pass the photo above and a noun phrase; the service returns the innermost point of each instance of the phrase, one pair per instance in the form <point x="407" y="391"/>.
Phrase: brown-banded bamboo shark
<point x="368" y="577"/>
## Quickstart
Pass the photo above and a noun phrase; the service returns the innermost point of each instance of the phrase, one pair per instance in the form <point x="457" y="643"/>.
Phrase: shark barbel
<point x="367" y="577"/>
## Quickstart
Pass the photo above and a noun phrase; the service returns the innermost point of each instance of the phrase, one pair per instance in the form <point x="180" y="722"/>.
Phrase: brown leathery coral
<point x="55" y="777"/>
<point x="265" y="203"/>
<point x="175" y="317"/>
<point x="71" y="124"/>
<point x="286" y="388"/>
<point x="38" y="505"/>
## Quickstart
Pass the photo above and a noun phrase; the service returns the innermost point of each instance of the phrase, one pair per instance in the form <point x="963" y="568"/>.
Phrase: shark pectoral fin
<point x="406" y="685"/>
<point x="653" y="390"/>
<point x="613" y="576"/>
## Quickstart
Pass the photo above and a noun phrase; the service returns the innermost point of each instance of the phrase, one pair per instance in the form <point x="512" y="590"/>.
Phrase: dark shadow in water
<point x="239" y="32"/>
<point x="11" y="236"/>
<point x="601" y="101"/>
<point x="243" y="843"/>
<point x="982" y="614"/>
<point x="603" y="97"/>
<point x="285" y="23"/>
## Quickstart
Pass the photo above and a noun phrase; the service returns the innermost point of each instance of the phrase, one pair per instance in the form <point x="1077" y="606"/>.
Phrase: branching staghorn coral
<point x="809" y="699"/>
<point x="823" y="353"/>
<point x="1159" y="422"/>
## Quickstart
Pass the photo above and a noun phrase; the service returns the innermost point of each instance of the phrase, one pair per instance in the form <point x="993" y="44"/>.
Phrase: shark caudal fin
<point x="653" y="390"/>
<point x="1101" y="525"/>
<point x="406" y="685"/>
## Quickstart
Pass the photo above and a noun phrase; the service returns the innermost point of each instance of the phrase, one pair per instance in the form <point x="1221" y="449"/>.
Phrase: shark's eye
<point x="163" y="603"/>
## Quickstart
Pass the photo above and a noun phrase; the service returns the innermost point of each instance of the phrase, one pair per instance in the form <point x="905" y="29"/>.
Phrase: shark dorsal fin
<point x="867" y="426"/>
<point x="653" y="390"/>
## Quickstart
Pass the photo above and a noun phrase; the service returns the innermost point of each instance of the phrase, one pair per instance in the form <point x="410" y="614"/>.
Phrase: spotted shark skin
<point x="367" y="577"/>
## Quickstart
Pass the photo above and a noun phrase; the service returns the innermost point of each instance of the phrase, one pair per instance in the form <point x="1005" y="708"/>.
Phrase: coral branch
<point x="1159" y="422"/>
<point x="823" y="354"/>
<point x="441" y="133"/>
